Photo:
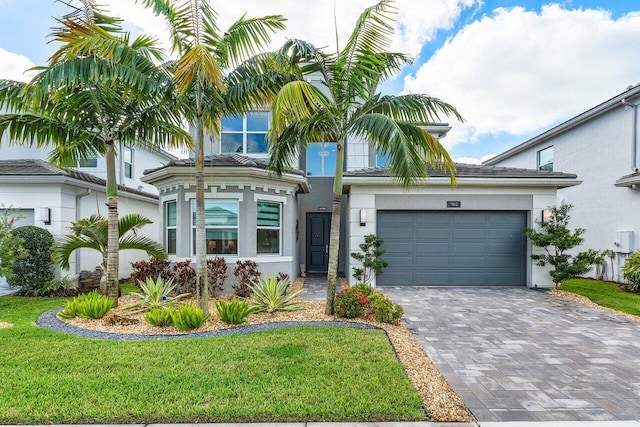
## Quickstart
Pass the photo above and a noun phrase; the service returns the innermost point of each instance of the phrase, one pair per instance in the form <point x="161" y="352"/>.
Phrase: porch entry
<point x="318" y="230"/>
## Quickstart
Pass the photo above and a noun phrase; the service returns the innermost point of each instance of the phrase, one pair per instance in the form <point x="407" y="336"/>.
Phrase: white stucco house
<point x="435" y="234"/>
<point x="51" y="197"/>
<point x="601" y="147"/>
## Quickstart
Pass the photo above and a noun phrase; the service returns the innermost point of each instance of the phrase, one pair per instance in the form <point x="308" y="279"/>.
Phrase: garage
<point x="445" y="248"/>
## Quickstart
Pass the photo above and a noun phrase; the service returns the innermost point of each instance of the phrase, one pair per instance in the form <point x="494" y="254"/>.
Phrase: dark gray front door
<point x="318" y="228"/>
<point x="444" y="248"/>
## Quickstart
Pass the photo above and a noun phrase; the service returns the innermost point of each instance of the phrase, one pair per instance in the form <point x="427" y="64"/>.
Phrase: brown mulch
<point x="5" y="325"/>
<point x="579" y="299"/>
<point x="442" y="403"/>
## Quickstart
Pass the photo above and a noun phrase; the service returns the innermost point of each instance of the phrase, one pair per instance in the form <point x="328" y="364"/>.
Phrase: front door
<point x="318" y="228"/>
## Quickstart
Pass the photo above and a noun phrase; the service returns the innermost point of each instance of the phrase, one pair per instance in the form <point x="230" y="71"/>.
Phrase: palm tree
<point x="93" y="233"/>
<point x="353" y="107"/>
<point x="98" y="88"/>
<point x="204" y="53"/>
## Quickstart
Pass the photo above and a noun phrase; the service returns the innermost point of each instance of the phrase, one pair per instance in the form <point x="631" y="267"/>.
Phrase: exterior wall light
<point x="45" y="215"/>
<point x="546" y="215"/>
<point x="363" y="217"/>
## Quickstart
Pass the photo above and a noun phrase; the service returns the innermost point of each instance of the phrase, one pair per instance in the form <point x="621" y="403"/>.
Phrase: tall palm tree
<point x="353" y="107"/>
<point x="93" y="233"/>
<point x="98" y="88"/>
<point x="204" y="54"/>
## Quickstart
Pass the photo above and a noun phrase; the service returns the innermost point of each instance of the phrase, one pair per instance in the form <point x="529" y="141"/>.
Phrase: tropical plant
<point x="382" y="309"/>
<point x="159" y="316"/>
<point x="62" y="286"/>
<point x="631" y="271"/>
<point x="155" y="294"/>
<point x="70" y="309"/>
<point x="369" y="258"/>
<point x="348" y="105"/>
<point x="203" y="54"/>
<point x="365" y="288"/>
<point x="246" y="273"/>
<point x="11" y="248"/>
<point x="188" y="317"/>
<point x="99" y="89"/>
<point x="271" y="295"/>
<point x="93" y="305"/>
<point x="350" y="303"/>
<point x="216" y="274"/>
<point x="555" y="237"/>
<point x="153" y="267"/>
<point x="234" y="312"/>
<point x="35" y="270"/>
<point x="93" y="233"/>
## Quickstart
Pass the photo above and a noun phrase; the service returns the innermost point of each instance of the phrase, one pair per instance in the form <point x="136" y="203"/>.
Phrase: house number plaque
<point x="454" y="204"/>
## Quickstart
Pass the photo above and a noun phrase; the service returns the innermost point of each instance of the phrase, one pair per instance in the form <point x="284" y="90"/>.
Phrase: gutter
<point x="634" y="135"/>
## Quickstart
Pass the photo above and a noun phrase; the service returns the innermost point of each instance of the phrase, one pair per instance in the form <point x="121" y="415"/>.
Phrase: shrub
<point x="184" y="277"/>
<point x="382" y="309"/>
<point x="62" y="287"/>
<point x="234" y="312"/>
<point x="270" y="295"/>
<point x="70" y="309"/>
<point x="154" y="267"/>
<point x="159" y="317"/>
<point x="631" y="271"/>
<point x="365" y="288"/>
<point x="369" y="258"/>
<point x="349" y="303"/>
<point x="35" y="270"/>
<point x="155" y="294"/>
<point x="246" y="272"/>
<point x="216" y="275"/>
<point x="188" y="317"/>
<point x="93" y="305"/>
<point x="10" y="246"/>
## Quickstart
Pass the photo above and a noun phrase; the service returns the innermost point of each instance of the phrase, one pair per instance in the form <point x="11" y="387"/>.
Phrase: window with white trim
<point x="321" y="158"/>
<point x="545" y="159"/>
<point x="172" y="219"/>
<point x="245" y="134"/>
<point x="269" y="226"/>
<point x="90" y="161"/>
<point x="127" y="158"/>
<point x="221" y="222"/>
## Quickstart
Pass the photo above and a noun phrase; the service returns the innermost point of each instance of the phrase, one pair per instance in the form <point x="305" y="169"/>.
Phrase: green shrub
<point x="155" y="294"/>
<point x="33" y="272"/>
<point x="234" y="312"/>
<point x="365" y="288"/>
<point x="188" y="317"/>
<point x="10" y="246"/>
<point x="70" y="309"/>
<point x="61" y="287"/>
<point x="369" y="257"/>
<point x="93" y="305"/>
<point x="271" y="295"/>
<point x="159" y="317"/>
<point x="382" y="309"/>
<point x="349" y="303"/>
<point x="631" y="271"/>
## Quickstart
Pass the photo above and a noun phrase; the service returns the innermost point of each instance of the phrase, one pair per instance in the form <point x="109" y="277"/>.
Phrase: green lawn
<point x="296" y="374"/>
<point x="605" y="294"/>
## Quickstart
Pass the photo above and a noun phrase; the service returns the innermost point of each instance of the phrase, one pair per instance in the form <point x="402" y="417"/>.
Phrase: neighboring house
<point x="51" y="197"/>
<point x="601" y="147"/>
<point x="435" y="234"/>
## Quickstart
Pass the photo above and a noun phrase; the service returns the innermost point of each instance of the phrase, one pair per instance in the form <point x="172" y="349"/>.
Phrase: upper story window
<point x="321" y="159"/>
<point x="221" y="222"/>
<point x="127" y="157"/>
<point x="245" y="134"/>
<point x="91" y="161"/>
<point x="382" y="160"/>
<point x="545" y="159"/>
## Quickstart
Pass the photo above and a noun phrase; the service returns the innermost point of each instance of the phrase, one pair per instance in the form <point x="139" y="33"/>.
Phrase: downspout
<point x="634" y="136"/>
<point x="78" y="197"/>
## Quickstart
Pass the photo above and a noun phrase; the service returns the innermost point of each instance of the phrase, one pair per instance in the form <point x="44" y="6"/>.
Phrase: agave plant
<point x="271" y="295"/>
<point x="155" y="294"/>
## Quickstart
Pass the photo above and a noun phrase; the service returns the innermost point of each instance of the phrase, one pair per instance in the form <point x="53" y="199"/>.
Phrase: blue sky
<point x="512" y="68"/>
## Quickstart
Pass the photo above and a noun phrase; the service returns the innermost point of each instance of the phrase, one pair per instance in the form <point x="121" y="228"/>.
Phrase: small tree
<point x="11" y="248"/>
<point x="556" y="238"/>
<point x="372" y="265"/>
<point x="35" y="270"/>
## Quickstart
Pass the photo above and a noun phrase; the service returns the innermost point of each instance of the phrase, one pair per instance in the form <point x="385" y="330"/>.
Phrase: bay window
<point x="221" y="222"/>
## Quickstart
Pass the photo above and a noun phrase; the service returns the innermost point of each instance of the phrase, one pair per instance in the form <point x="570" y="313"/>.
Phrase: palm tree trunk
<point x="202" y="287"/>
<point x="112" y="287"/>
<point x="334" y="239"/>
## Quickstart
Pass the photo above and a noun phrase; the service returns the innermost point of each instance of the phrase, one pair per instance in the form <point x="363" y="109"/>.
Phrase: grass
<point x="605" y="294"/>
<point x="296" y="374"/>
<point x="127" y="288"/>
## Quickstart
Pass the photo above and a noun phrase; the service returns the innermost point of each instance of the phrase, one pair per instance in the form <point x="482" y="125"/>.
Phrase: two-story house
<point x="601" y="147"/>
<point x="435" y="234"/>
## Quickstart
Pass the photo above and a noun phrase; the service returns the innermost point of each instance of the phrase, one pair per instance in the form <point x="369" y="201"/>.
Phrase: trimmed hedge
<point x="35" y="271"/>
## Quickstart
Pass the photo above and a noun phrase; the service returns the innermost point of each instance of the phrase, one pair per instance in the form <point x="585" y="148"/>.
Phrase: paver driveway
<point x="513" y="354"/>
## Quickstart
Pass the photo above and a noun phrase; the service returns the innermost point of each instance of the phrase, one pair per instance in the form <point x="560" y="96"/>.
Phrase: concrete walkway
<point x="513" y="354"/>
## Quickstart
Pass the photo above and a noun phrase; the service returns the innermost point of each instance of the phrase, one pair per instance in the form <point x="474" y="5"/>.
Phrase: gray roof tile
<point x="470" y="171"/>
<point x="223" y="160"/>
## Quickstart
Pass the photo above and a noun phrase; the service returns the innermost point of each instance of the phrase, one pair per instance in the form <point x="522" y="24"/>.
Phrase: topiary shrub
<point x="33" y="272"/>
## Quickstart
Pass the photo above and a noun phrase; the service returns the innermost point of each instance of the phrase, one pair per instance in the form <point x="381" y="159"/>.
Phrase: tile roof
<point x="470" y="171"/>
<point x="224" y="160"/>
<point x="38" y="167"/>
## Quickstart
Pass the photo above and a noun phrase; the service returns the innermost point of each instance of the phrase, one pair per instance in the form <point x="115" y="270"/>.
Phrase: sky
<point x="512" y="68"/>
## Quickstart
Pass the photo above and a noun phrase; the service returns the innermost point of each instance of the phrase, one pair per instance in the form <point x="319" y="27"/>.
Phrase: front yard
<point x="294" y="374"/>
<point x="605" y="294"/>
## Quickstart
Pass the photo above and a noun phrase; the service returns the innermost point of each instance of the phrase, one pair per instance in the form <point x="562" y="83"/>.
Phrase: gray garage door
<point x="468" y="248"/>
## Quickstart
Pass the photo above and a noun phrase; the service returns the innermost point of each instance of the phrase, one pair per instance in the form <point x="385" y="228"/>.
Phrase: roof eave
<point x="468" y="182"/>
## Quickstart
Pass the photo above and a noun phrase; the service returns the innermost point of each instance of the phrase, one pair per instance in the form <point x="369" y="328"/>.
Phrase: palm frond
<point x="297" y="101"/>
<point x="142" y="243"/>
<point x="69" y="244"/>
<point x="198" y="62"/>
<point x="412" y="108"/>
<point x="132" y="222"/>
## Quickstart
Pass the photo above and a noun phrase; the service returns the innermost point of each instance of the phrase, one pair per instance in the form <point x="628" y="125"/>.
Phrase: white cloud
<point x="473" y="160"/>
<point x="13" y="66"/>
<point x="518" y="71"/>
